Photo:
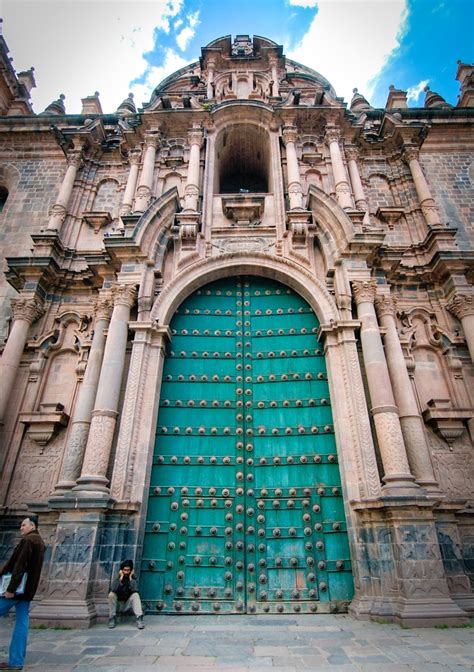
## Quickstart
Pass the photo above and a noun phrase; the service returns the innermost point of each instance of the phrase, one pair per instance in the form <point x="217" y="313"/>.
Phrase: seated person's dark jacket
<point x="124" y="588"/>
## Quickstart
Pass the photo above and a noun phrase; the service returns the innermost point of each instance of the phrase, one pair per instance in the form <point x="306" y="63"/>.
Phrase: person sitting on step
<point x="123" y="595"/>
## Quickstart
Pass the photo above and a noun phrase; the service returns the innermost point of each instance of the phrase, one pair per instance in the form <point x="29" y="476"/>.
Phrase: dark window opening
<point x="3" y="197"/>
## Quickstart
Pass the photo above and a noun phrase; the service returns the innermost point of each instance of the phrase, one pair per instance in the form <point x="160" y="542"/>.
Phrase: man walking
<point x="26" y="558"/>
<point x="124" y="595"/>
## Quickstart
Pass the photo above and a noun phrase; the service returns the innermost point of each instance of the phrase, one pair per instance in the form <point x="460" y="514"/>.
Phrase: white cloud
<point x="303" y="3"/>
<point x="414" y="92"/>
<point x="81" y="46"/>
<point x="338" y="39"/>
<point x="155" y="75"/>
<point x="186" y="35"/>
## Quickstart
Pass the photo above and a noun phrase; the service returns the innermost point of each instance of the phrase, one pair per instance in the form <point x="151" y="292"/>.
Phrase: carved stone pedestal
<point x="76" y="567"/>
<point x="402" y="577"/>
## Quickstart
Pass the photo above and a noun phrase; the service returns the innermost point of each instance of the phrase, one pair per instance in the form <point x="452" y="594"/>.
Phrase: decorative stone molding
<point x="243" y="209"/>
<point x="461" y="305"/>
<point x="97" y="220"/>
<point x="390" y="215"/>
<point x="152" y="140"/>
<point x="28" y="310"/>
<point x="448" y="422"/>
<point x="364" y="290"/>
<point x="46" y="423"/>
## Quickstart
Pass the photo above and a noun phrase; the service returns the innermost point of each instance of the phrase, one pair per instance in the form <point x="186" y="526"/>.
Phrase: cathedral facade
<point x="237" y="343"/>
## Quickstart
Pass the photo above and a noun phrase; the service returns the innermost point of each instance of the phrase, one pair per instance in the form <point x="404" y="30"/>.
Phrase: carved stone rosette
<point x="364" y="290"/>
<point x="28" y="310"/>
<point x="461" y="305"/>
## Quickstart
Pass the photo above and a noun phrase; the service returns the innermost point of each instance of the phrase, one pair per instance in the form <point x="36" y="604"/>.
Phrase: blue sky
<point x="80" y="46"/>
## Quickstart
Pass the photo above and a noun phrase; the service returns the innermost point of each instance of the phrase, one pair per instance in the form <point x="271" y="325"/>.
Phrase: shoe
<point x="112" y="622"/>
<point x="7" y="666"/>
<point x="140" y="623"/>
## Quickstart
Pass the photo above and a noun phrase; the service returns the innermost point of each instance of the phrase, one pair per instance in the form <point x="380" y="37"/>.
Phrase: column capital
<point x="461" y="305"/>
<point x="124" y="295"/>
<point x="364" y="291"/>
<point x="385" y="304"/>
<point x="333" y="134"/>
<point x="103" y="306"/>
<point x="290" y="134"/>
<point x="134" y="156"/>
<point x="411" y="153"/>
<point x="151" y="140"/>
<point x="74" y="158"/>
<point x="195" y="136"/>
<point x="352" y="152"/>
<point x="28" y="310"/>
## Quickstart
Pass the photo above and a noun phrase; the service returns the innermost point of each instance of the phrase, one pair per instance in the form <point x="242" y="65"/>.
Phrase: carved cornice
<point x="461" y="305"/>
<point x="124" y="295"/>
<point x="385" y="304"/>
<point x="28" y="310"/>
<point x="364" y="290"/>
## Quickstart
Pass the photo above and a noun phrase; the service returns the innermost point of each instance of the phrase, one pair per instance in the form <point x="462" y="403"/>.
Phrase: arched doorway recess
<point x="245" y="509"/>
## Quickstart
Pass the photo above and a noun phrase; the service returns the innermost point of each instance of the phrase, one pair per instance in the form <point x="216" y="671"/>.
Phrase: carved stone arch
<point x="260" y="264"/>
<point x="334" y="227"/>
<point x="154" y="226"/>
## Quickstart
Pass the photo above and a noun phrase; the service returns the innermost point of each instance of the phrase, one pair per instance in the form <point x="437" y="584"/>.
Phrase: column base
<point x="64" y="613"/>
<point x="401" y="485"/>
<point x="92" y="485"/>
<point x="413" y="613"/>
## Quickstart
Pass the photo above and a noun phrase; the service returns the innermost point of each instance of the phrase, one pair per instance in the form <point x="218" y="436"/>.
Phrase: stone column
<point x="77" y="441"/>
<point x="191" y="191"/>
<point x="210" y="78"/>
<point x="143" y="196"/>
<point x="134" y="159"/>
<point x="462" y="307"/>
<point x="295" y="191"/>
<point x="398" y="479"/>
<point x="352" y="154"/>
<point x="25" y="312"/>
<point x="58" y="212"/>
<point x="274" y="68"/>
<point x="411" y="421"/>
<point x="343" y="190"/>
<point x="427" y="203"/>
<point x="93" y="479"/>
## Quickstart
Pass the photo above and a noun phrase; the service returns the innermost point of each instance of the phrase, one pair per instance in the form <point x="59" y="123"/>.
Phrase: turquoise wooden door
<point x="245" y="510"/>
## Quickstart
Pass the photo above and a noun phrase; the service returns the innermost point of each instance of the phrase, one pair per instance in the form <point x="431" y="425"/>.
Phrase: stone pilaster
<point x="411" y="421"/>
<point x="58" y="212"/>
<point x="93" y="477"/>
<point x="25" y="312"/>
<point x="343" y="190"/>
<point x="462" y="306"/>
<point x="77" y="440"/>
<point x="295" y="191"/>
<point x="134" y="158"/>
<point x="397" y="477"/>
<point x="211" y="64"/>
<point x="143" y="195"/>
<point x="427" y="203"/>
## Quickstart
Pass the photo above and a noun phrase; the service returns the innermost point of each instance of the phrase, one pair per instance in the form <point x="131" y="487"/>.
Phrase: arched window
<point x="3" y="197"/>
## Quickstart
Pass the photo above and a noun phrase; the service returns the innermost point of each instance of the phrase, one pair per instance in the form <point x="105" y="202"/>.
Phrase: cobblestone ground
<point x="248" y="644"/>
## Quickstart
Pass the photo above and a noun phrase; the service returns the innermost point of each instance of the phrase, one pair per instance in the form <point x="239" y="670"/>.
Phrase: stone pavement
<point x="322" y="643"/>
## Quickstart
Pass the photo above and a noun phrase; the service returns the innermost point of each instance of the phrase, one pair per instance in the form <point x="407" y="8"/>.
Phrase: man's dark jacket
<point x="27" y="557"/>
<point x="123" y="589"/>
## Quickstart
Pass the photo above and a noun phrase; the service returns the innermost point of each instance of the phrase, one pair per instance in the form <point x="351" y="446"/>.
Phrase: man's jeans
<point x="19" y="638"/>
